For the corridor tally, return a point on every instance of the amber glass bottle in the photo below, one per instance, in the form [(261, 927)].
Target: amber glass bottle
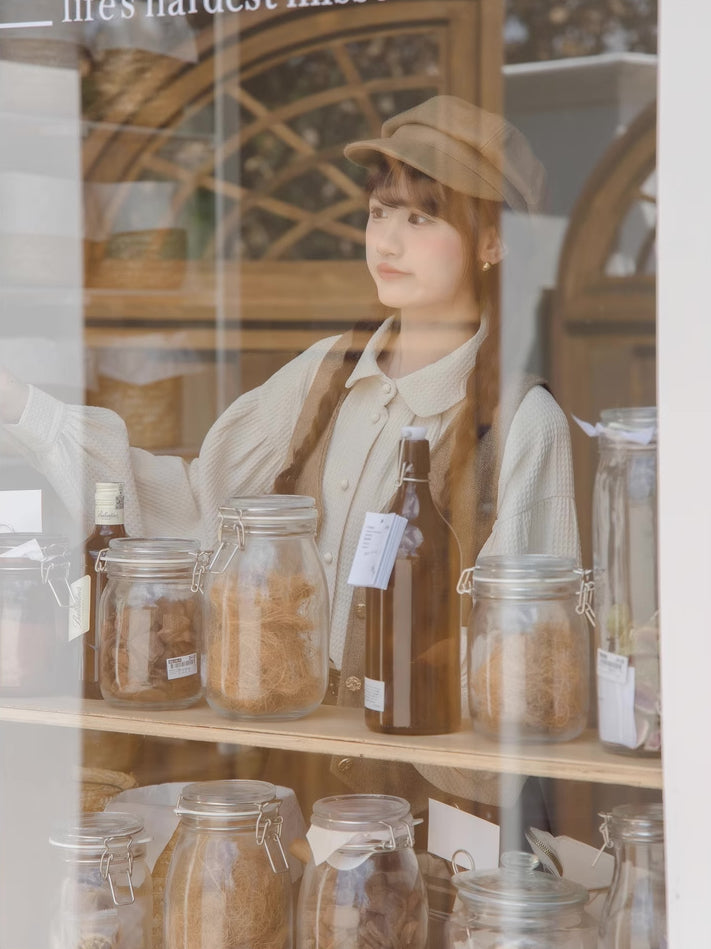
[(108, 518), (413, 627)]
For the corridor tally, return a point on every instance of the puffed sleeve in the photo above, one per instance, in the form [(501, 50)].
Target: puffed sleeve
[(536, 510), (75, 446)]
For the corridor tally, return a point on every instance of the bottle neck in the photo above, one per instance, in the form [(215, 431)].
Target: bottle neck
[(414, 460)]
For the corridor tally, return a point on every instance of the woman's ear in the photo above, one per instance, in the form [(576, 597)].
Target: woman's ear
[(491, 248)]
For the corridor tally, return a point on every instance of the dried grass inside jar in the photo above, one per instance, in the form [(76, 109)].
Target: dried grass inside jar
[(263, 654), (222, 899), (532, 683)]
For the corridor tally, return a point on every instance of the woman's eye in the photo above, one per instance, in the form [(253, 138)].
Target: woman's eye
[(376, 212), (417, 218)]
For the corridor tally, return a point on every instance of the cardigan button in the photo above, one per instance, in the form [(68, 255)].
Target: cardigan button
[(360, 610), (328, 557), (353, 684), (344, 765)]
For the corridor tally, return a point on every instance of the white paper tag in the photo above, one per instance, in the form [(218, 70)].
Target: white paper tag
[(182, 666), (451, 830), (377, 549), (612, 666), (615, 710), (30, 550), (79, 608), (374, 695)]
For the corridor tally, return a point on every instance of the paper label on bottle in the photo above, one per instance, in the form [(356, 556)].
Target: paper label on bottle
[(374, 695), (181, 666), (79, 608), (377, 549), (612, 666), (615, 700)]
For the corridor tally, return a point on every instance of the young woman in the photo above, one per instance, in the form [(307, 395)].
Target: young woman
[(328, 423)]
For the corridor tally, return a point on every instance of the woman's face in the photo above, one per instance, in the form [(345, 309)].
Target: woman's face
[(418, 262)]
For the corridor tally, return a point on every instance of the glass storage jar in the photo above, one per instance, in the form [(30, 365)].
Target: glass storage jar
[(105, 896), (267, 631), (150, 618), (634, 914), (34, 615), (519, 907), (528, 647), (625, 574), (362, 886), (228, 884)]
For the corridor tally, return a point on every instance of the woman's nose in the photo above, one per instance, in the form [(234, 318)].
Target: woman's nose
[(389, 238)]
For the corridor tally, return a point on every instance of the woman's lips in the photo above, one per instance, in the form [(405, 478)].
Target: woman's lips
[(387, 272)]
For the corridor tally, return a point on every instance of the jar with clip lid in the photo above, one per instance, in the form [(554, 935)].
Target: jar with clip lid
[(625, 573), (228, 884), (150, 618), (105, 896), (517, 905), (634, 914), (35, 597), (528, 647), (266, 650), (362, 887)]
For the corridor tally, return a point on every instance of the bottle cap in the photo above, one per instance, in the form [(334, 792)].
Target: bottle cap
[(414, 433)]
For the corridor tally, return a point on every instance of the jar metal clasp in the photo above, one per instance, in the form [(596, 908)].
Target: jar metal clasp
[(108, 856), (202, 564), (465, 584), (219, 563), (55, 573), (606, 839), (585, 596), (268, 835)]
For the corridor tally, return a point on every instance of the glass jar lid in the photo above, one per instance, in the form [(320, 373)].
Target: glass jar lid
[(517, 887), (522, 575), (269, 513), (231, 798), (91, 836), (630, 426), (361, 812), (26, 551), (636, 822), (152, 551)]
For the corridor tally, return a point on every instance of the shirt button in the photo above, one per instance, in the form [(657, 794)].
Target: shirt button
[(353, 684), (387, 388), (375, 417), (328, 557), (360, 610), (345, 484)]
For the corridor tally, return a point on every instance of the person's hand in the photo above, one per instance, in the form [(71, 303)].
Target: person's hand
[(13, 397)]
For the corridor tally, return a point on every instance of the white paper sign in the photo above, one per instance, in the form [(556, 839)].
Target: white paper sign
[(451, 830), (612, 666), (377, 549), (615, 710), (21, 512), (79, 607)]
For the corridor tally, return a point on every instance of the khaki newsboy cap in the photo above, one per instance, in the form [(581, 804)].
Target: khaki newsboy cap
[(462, 146)]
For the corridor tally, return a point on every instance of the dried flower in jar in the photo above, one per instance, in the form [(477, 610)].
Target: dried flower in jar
[(362, 909), (149, 650), (262, 658)]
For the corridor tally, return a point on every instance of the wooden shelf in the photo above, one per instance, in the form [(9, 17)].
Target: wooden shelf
[(341, 732)]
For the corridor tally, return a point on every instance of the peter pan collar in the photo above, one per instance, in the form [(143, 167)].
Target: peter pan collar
[(434, 388)]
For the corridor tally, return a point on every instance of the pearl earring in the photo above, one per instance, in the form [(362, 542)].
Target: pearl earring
[(486, 266)]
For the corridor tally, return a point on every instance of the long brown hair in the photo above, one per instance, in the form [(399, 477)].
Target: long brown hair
[(395, 183)]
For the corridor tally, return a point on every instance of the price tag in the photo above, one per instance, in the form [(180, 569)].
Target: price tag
[(374, 695), (377, 549), (612, 666), (182, 666)]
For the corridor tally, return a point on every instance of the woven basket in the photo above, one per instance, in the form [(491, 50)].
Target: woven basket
[(152, 412), (98, 786), (129, 84), (137, 260)]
